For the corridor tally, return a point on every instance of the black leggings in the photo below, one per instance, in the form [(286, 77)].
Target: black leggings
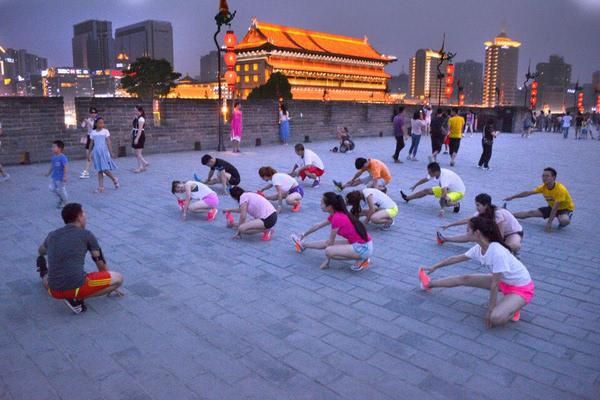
[(486, 155), (399, 146)]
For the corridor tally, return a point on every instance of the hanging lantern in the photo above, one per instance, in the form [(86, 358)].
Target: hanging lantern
[(450, 69), (449, 80), (230, 77), (534, 93), (461, 99), (230, 59), (230, 40), (448, 92), (598, 103), (580, 107)]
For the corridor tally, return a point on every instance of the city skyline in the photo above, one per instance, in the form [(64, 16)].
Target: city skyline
[(397, 31)]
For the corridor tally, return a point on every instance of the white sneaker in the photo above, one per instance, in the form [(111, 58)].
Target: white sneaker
[(84, 175)]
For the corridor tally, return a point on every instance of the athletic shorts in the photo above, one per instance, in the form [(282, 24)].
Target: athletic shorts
[(364, 250), (447, 139), (297, 189), (311, 170), (369, 179), (547, 210), (211, 200), (525, 291), (454, 145), (94, 282), (233, 181), (436, 143), (392, 212), (453, 196), (270, 221)]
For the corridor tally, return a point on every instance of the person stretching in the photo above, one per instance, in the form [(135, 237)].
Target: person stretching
[(198, 198), (356, 243), (227, 174), (508, 275), (377, 171), (308, 165), (253, 204), (381, 208), (560, 204), (510, 229), (63, 275), (450, 188), (286, 187)]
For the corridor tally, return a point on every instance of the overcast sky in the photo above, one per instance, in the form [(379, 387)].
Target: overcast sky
[(570, 28)]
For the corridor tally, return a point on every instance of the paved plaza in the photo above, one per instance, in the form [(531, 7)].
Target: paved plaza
[(205, 317)]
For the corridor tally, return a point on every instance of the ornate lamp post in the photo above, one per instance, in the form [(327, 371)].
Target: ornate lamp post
[(577, 97), (224, 17), (529, 76), (445, 56)]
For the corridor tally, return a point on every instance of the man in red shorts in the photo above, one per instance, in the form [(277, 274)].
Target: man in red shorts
[(308, 165), (64, 276)]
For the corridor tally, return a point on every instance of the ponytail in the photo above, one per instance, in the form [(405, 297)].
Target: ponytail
[(353, 199), (338, 204)]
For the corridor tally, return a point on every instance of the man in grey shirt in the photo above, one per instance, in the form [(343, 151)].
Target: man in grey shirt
[(64, 276)]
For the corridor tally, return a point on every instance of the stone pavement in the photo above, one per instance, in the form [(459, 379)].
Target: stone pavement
[(209, 318)]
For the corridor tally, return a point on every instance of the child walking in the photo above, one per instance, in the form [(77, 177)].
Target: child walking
[(507, 274), (101, 146), (286, 187), (356, 243), (58, 169)]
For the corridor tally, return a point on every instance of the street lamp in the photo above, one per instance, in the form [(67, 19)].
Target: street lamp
[(224, 17), (529, 76), (444, 56)]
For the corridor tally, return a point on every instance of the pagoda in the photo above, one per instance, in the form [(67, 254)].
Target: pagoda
[(318, 65)]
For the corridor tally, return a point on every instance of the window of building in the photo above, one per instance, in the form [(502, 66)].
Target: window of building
[(238, 68), (238, 79), (246, 67), (255, 67), (247, 78), (254, 78)]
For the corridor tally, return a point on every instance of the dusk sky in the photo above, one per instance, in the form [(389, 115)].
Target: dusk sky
[(566, 27)]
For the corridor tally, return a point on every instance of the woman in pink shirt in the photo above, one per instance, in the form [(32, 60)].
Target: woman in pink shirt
[(510, 229), (255, 205), (236, 127), (356, 244)]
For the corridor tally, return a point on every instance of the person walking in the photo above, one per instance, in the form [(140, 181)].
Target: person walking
[(439, 130), (566, 124), (418, 126), (138, 138), (88, 125), (284, 124), (236, 127), (578, 125), (487, 141), (59, 169), (398, 121), (528, 124), (456, 124), (101, 146), (470, 121)]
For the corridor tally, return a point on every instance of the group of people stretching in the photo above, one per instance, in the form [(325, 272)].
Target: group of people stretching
[(496, 233)]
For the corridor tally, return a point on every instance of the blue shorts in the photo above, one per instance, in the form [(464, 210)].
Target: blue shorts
[(297, 189), (364, 250)]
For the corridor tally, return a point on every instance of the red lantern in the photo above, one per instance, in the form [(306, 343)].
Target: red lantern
[(580, 107), (534, 93), (230, 77), (230, 59), (230, 40), (450, 69), (449, 80), (598, 104), (448, 92), (461, 99)]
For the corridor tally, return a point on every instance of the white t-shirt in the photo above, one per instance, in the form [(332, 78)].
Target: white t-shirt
[(450, 180), (141, 122), (104, 132), (507, 222), (566, 121), (284, 181), (499, 260), (417, 126), (200, 190), (311, 158), (380, 199)]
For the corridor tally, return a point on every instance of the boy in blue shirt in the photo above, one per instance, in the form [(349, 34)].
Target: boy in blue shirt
[(58, 170)]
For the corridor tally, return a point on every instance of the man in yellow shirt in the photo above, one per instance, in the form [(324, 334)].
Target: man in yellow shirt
[(456, 124), (560, 203)]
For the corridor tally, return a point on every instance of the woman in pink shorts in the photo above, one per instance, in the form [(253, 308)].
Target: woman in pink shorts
[(507, 274), (198, 198)]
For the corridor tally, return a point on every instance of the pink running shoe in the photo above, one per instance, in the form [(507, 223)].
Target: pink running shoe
[(180, 203), (424, 280), (439, 238), (296, 207), (267, 235), (212, 214), (258, 192), (229, 218), (516, 316)]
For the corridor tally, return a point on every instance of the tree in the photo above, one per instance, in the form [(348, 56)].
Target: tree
[(149, 79), (277, 86)]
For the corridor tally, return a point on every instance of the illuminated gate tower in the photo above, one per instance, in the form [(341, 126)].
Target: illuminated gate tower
[(319, 66)]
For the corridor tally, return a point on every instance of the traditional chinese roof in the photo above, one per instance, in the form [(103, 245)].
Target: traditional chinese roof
[(283, 64), (262, 35)]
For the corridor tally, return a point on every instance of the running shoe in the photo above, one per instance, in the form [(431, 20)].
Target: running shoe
[(197, 178), (440, 238), (424, 280), (296, 207), (388, 226), (267, 235), (409, 158), (338, 186), (316, 183), (84, 175), (404, 196), (212, 214), (487, 169), (516, 316), (456, 208), (445, 152), (260, 193), (76, 306), (297, 243), (229, 218), (181, 203), (360, 266)]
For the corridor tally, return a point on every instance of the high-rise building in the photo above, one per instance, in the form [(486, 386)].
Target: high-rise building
[(470, 75), (553, 81), (500, 73), (17, 70), (423, 72), (93, 45), (68, 83), (209, 65), (152, 39), (399, 83)]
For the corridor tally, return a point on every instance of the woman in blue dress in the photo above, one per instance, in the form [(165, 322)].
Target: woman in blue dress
[(284, 123), (101, 146)]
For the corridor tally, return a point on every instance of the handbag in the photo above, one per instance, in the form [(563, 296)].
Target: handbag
[(83, 140)]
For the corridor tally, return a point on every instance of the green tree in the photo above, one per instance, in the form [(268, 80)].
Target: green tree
[(277, 86), (149, 79)]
